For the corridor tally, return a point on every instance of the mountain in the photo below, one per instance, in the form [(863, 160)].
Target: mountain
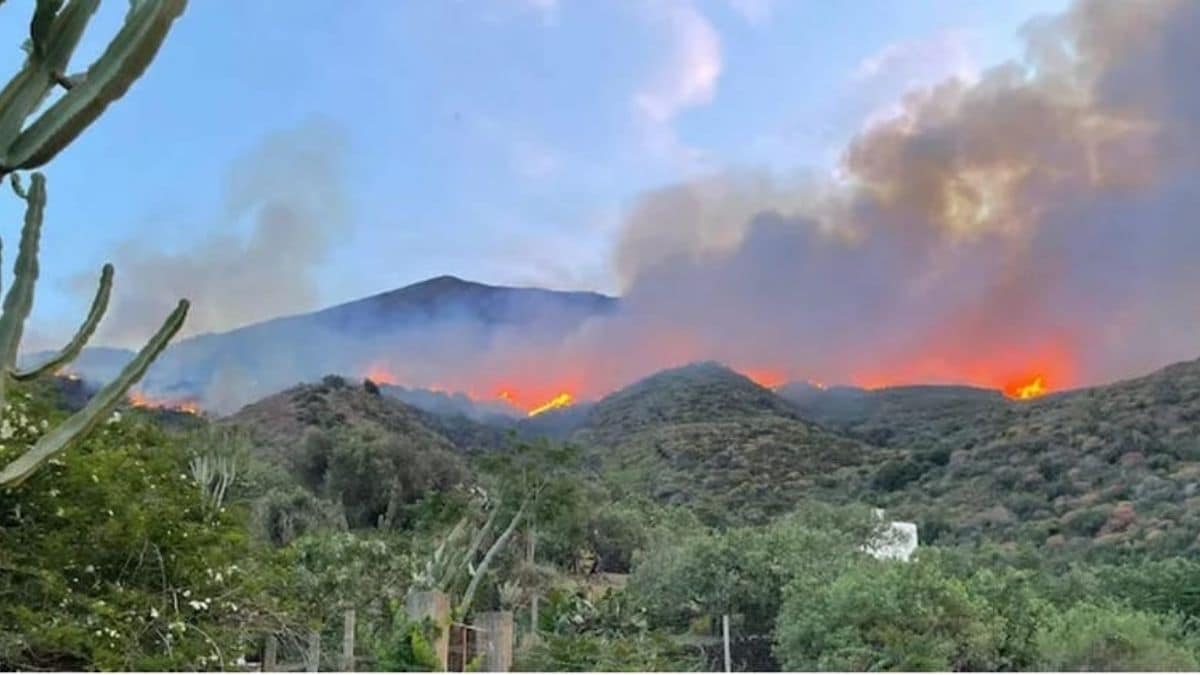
[(708, 437), (224, 371)]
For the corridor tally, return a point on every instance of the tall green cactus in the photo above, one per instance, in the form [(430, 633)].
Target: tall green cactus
[(54, 32)]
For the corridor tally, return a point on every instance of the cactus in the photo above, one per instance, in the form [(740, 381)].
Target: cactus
[(54, 32)]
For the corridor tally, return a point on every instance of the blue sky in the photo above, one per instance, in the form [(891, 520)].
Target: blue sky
[(498, 141)]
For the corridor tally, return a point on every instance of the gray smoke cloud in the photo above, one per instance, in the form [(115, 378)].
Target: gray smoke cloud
[(1039, 220), (285, 205)]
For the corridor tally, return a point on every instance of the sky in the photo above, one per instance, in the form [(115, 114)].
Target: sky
[(499, 141)]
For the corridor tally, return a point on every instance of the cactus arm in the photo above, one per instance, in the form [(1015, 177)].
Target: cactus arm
[(500, 543), (461, 564), (98, 408), (54, 40), (19, 300), (86, 329), (107, 79), (43, 19)]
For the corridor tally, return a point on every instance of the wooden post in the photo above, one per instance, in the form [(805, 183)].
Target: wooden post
[(313, 661), (270, 655), (348, 641), (533, 603), (497, 628), (435, 606), (725, 639)]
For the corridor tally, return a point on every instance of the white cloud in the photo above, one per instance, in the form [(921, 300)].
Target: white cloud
[(687, 78), (915, 62)]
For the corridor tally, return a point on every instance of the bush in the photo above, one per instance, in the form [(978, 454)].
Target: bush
[(1102, 637), (881, 615)]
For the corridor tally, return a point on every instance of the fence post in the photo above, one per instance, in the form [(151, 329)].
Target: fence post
[(435, 606), (270, 650), (348, 620), (497, 636), (725, 640), (313, 662)]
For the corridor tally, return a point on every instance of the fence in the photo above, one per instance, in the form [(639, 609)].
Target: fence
[(486, 644)]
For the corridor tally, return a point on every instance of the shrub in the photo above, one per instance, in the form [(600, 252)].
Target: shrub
[(1104, 637), (881, 615)]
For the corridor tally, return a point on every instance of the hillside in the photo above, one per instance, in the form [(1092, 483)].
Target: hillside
[(1110, 469), (708, 437), (224, 371), (909, 416)]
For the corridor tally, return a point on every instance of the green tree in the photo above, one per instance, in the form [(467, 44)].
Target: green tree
[(884, 615), (1110, 637)]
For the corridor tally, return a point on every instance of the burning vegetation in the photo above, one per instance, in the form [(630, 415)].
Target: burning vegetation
[(139, 399)]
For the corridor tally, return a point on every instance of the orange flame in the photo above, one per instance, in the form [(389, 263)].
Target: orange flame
[(769, 378), (141, 400), (1027, 390), (561, 401), (379, 373)]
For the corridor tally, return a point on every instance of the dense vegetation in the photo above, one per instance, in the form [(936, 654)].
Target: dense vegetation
[(162, 544)]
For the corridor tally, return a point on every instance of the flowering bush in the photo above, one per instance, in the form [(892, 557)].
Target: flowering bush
[(109, 559)]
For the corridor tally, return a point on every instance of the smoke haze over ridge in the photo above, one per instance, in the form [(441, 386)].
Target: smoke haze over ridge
[(1034, 220)]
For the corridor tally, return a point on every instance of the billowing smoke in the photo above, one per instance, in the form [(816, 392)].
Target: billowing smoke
[(1040, 220), (284, 206)]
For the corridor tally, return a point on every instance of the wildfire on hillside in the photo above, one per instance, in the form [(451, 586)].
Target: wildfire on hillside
[(139, 399), (766, 377), (67, 373), (561, 401), (380, 373), (1027, 390)]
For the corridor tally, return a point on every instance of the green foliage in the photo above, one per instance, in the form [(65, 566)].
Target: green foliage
[(610, 633), (742, 571), (597, 653), (408, 647), (1109, 637), (881, 615), (375, 476), (110, 559)]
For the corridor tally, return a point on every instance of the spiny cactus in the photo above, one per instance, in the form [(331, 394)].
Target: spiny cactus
[(54, 33)]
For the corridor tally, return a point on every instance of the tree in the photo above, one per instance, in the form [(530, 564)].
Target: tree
[(885, 615)]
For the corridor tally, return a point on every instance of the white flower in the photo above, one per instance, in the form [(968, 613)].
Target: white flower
[(153, 612)]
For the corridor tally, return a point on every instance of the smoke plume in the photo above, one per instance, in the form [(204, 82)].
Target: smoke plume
[(1040, 220), (288, 192)]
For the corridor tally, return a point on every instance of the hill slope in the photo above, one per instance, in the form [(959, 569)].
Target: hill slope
[(1109, 469), (708, 437)]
